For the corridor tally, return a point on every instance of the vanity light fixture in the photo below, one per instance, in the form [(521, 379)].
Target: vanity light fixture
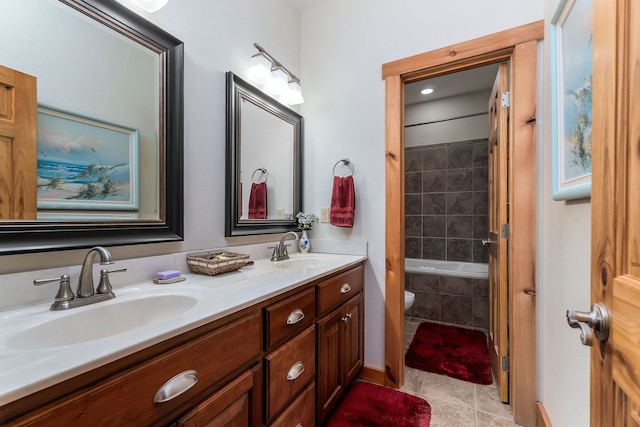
[(150, 5), (276, 80)]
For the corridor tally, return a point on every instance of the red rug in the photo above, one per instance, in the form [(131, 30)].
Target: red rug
[(452, 351), (367, 404)]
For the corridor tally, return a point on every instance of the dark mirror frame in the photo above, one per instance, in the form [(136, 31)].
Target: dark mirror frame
[(238, 89), (26, 237)]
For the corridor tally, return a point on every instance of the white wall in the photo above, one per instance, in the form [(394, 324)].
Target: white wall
[(452, 119), (344, 44), (563, 283)]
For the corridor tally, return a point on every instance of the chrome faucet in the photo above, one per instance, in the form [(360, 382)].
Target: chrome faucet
[(85, 282), (280, 251), (86, 291)]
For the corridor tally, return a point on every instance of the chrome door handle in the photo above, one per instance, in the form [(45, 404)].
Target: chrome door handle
[(486, 242), (596, 321)]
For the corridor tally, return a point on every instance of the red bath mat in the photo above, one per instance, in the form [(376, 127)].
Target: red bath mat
[(452, 351), (367, 404)]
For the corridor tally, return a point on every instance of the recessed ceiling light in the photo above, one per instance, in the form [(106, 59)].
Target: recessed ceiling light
[(426, 91)]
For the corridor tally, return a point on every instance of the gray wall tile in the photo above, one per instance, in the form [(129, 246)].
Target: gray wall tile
[(434, 158), (436, 204), (413, 182)]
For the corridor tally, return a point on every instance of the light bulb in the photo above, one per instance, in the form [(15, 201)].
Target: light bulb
[(260, 68), (279, 82)]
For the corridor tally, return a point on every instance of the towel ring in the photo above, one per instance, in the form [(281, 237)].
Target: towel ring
[(346, 162), (264, 172)]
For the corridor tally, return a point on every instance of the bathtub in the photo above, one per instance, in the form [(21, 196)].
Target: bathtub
[(446, 268)]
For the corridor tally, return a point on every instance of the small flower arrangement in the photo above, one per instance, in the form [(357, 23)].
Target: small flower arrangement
[(305, 221)]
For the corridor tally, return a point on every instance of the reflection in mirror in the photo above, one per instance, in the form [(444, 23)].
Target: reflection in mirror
[(109, 149), (264, 140)]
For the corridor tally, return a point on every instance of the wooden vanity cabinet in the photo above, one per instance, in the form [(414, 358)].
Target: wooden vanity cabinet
[(340, 344), (283, 362), (130, 397)]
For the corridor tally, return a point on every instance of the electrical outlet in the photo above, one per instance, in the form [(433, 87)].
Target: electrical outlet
[(324, 215)]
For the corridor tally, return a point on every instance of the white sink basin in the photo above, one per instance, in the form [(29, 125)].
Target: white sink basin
[(307, 261), (100, 320)]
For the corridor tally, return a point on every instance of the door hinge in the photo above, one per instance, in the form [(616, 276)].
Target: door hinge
[(505, 364), (506, 99), (505, 231)]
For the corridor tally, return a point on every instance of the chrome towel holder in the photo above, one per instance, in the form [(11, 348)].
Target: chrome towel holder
[(264, 173), (345, 162)]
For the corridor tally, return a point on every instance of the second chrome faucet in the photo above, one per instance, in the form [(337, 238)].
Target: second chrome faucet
[(280, 252)]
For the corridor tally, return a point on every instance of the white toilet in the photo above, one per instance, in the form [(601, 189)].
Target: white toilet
[(409, 298)]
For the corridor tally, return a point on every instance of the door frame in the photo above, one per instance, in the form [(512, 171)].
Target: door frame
[(519, 47)]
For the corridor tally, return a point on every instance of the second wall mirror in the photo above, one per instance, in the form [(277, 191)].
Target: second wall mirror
[(264, 168)]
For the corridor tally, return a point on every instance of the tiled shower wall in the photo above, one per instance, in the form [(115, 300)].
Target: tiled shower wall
[(446, 217), (446, 201)]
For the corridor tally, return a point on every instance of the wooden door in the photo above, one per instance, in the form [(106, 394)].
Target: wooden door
[(18, 145), (498, 222), (615, 258)]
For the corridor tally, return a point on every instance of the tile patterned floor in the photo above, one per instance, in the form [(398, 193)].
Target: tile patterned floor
[(454, 403)]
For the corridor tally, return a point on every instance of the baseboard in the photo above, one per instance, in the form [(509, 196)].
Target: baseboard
[(372, 375), (542, 417)]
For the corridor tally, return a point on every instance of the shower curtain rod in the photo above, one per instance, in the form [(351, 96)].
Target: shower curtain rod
[(447, 120)]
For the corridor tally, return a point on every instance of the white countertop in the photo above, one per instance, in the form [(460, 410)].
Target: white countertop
[(25, 371)]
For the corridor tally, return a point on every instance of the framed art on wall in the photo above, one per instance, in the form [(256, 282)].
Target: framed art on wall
[(571, 74), (85, 164)]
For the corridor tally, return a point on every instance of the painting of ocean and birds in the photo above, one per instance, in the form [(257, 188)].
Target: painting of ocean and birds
[(84, 164), (572, 60)]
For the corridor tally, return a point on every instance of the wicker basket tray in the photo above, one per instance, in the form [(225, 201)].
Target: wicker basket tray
[(213, 263)]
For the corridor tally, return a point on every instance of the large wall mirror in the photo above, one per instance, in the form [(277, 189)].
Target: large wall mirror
[(264, 172), (110, 125)]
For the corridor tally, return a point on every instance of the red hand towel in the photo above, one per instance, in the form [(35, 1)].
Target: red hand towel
[(258, 201), (343, 202)]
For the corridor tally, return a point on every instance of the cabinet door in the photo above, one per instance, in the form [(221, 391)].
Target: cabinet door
[(229, 407), (329, 378), (353, 354)]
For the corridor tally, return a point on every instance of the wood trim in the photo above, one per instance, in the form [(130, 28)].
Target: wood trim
[(461, 51), (543, 419), (522, 239), (394, 233), (372, 375), (436, 63)]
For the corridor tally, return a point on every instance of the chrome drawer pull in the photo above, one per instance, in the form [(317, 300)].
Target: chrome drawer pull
[(296, 370), (346, 317), (176, 386), (299, 425), (295, 316), (345, 288)]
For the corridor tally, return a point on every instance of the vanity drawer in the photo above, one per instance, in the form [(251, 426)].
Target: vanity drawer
[(301, 412), (288, 370), (128, 398), (289, 317), (338, 289)]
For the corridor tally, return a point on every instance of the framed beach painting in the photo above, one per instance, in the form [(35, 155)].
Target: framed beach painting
[(85, 164), (571, 75)]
